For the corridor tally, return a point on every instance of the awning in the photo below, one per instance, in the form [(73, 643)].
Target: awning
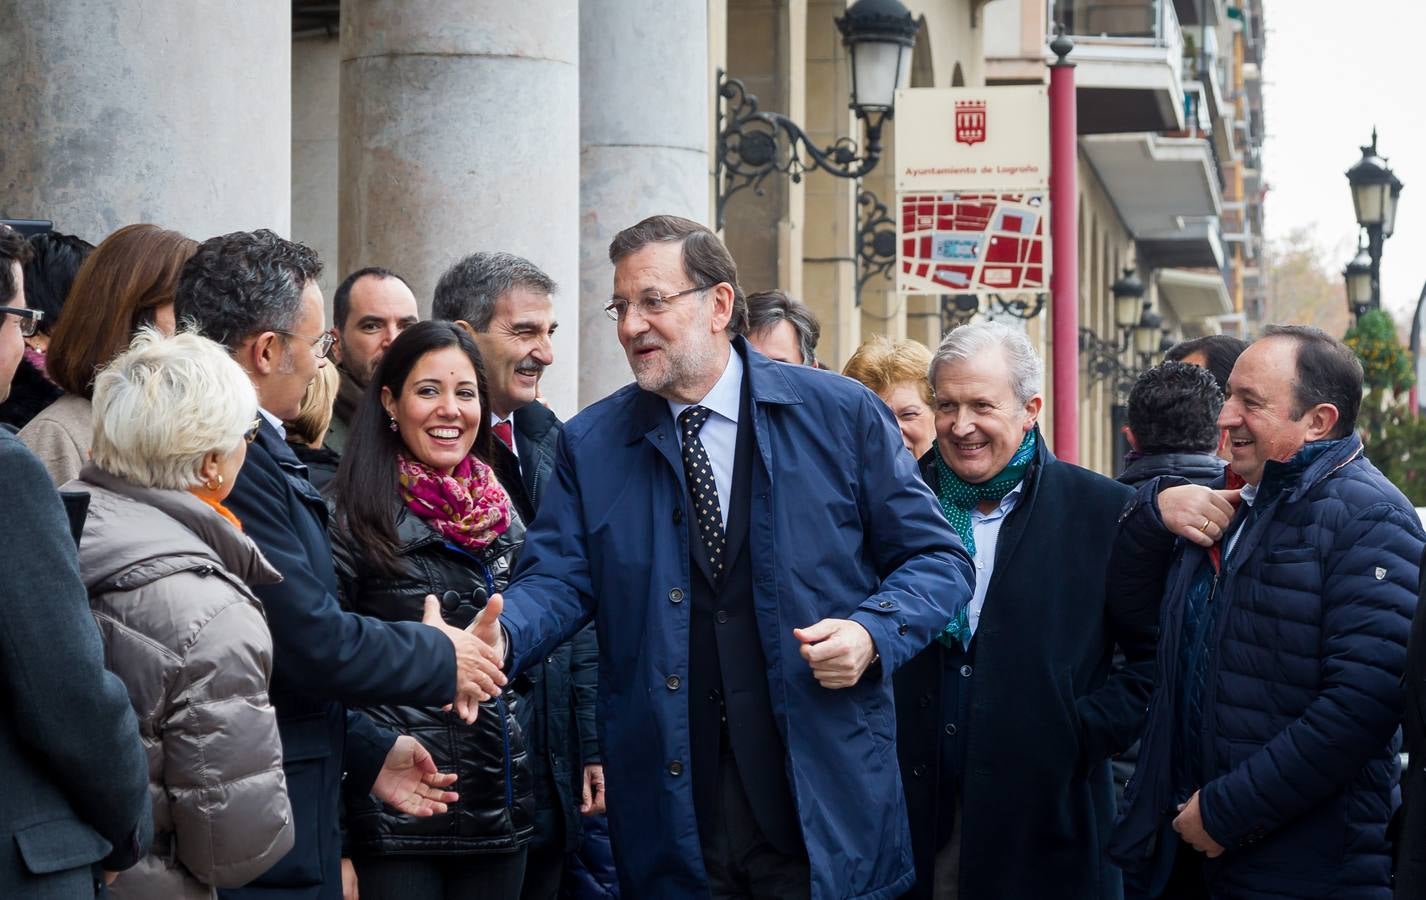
[(1156, 183), (1194, 296)]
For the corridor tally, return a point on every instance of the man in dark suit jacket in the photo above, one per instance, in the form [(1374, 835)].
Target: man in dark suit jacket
[(257, 294), (76, 779), (1006, 724), (503, 301)]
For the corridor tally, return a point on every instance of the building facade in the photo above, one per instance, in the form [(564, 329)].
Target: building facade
[(407, 135)]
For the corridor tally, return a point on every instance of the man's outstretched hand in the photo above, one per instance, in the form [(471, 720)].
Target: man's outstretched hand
[(478, 665), (408, 780), (838, 650)]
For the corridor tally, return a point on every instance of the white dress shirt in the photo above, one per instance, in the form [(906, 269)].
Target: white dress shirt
[(274, 421), (720, 432), (986, 528)]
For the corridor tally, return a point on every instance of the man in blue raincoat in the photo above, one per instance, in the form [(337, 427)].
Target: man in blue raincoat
[(758, 555)]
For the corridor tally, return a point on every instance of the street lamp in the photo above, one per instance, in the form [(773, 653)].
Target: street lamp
[(879, 36), (1358, 276), (1128, 294), (1375, 193)]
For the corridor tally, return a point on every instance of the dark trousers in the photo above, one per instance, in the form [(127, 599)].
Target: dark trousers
[(1187, 881), (740, 861), (489, 876), (544, 869)]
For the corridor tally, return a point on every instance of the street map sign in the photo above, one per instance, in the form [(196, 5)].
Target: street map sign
[(972, 243), (972, 179)]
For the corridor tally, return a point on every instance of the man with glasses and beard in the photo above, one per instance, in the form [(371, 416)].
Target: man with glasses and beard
[(757, 555)]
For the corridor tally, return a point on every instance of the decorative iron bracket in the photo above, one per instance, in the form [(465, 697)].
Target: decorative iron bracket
[(753, 144)]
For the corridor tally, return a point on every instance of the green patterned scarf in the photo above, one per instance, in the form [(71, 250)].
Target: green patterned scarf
[(958, 498)]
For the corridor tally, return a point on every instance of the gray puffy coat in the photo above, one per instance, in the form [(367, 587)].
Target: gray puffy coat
[(168, 584)]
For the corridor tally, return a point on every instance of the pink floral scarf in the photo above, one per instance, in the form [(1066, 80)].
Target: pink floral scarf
[(468, 507)]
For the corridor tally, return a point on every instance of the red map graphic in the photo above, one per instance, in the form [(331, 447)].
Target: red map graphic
[(955, 242)]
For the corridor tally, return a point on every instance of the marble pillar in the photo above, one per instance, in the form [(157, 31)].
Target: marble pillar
[(123, 111), (459, 131), (645, 102), (316, 78)]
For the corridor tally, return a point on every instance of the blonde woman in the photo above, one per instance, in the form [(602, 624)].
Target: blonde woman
[(307, 433), (896, 371), (169, 571)]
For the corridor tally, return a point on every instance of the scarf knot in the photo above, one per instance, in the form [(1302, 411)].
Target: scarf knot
[(468, 507), (958, 497)]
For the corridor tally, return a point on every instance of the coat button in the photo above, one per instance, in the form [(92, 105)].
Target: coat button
[(951, 729), (722, 616), (672, 682), (675, 768), (903, 629), (450, 600), (965, 671), (918, 771), (677, 516), (715, 696), (676, 595), (885, 604), (925, 701)]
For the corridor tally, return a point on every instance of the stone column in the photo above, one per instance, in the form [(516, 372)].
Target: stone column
[(460, 132), (123, 111), (644, 113), (316, 76)]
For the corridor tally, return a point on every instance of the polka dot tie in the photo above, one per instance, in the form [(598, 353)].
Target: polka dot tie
[(701, 487)]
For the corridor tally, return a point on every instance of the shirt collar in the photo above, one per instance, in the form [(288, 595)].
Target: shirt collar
[(496, 420), (1007, 503), (1248, 494), (726, 395), (274, 421)]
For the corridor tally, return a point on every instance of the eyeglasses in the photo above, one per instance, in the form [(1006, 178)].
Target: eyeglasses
[(251, 434), (650, 305), (30, 319), (321, 345)]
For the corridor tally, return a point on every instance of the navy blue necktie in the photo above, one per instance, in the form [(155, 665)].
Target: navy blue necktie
[(701, 487)]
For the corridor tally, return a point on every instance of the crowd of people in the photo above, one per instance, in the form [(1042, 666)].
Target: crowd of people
[(298, 611)]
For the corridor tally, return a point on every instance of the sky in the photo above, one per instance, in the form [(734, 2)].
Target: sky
[(1332, 71)]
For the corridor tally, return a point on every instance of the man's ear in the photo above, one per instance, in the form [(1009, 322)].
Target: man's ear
[(261, 354), (722, 306), (467, 327), (1129, 436), (1032, 411), (1321, 421)]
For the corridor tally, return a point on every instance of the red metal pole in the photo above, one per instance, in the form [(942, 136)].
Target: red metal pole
[(1064, 239)]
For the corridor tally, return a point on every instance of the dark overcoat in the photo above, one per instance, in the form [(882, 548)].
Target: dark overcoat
[(323, 659), (1045, 710), (75, 774), (840, 526)]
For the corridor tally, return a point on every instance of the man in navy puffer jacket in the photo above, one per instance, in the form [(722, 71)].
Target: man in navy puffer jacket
[(1269, 759)]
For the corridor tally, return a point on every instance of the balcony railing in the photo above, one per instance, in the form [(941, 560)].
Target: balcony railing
[(1139, 21)]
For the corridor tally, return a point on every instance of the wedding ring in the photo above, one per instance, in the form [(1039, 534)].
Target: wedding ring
[(1204, 527)]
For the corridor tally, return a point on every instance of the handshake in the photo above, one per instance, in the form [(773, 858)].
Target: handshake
[(480, 655)]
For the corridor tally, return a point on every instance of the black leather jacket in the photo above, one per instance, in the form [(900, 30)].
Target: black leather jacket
[(495, 811)]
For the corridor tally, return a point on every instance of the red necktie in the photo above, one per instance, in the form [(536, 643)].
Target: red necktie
[(502, 431)]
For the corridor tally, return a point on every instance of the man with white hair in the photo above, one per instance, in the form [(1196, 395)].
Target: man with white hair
[(1006, 723)]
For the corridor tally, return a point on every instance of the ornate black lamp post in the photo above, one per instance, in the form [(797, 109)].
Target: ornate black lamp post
[(879, 36), (1375, 192)]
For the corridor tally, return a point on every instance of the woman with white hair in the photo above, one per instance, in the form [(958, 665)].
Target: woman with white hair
[(168, 571)]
